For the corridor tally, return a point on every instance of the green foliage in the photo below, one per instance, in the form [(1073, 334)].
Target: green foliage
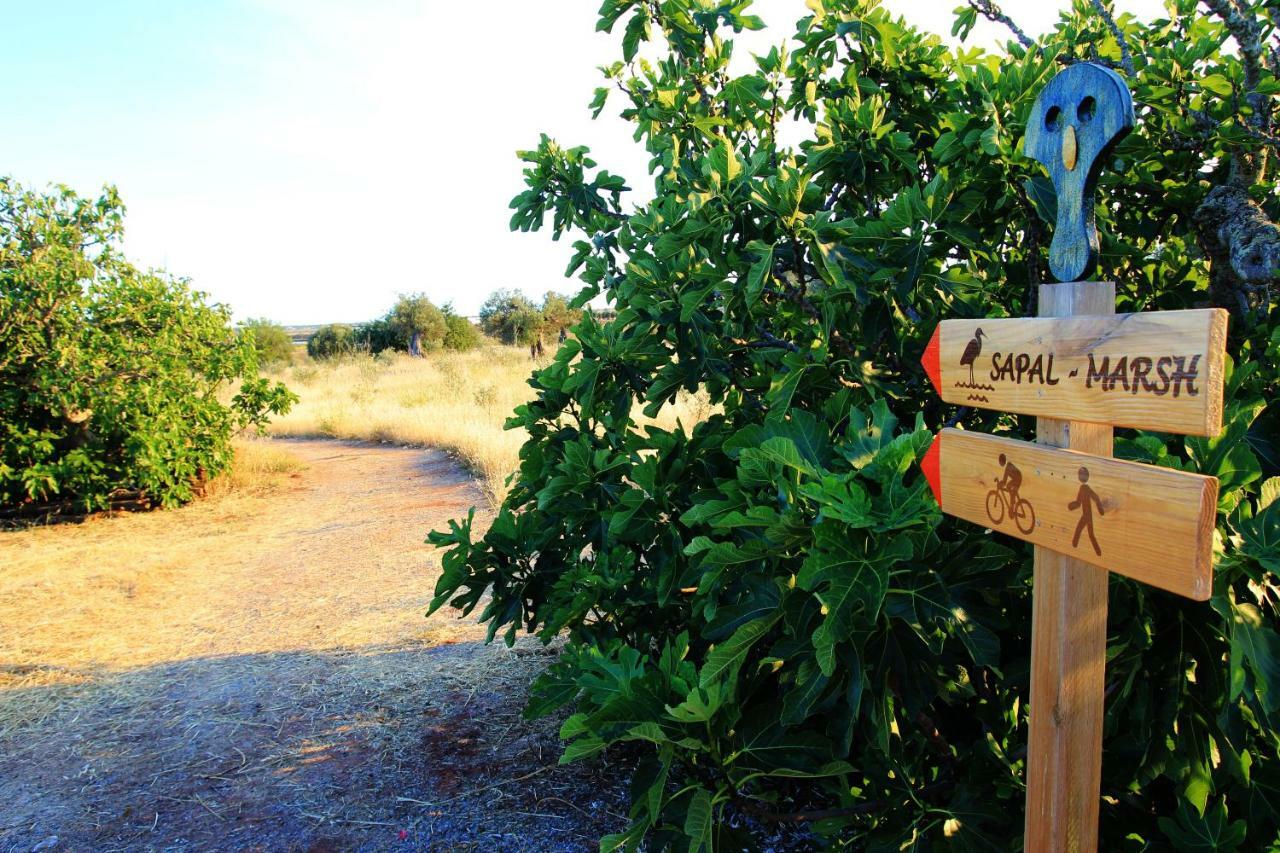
[(768, 602), (377, 336), (557, 315), (460, 334), (333, 340), (271, 342), (418, 323), (511, 318), (434, 327), (111, 379)]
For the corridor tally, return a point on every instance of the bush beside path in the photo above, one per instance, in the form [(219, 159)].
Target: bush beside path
[(254, 670)]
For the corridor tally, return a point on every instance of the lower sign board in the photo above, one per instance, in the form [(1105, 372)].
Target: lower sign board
[(1159, 371), (1151, 524)]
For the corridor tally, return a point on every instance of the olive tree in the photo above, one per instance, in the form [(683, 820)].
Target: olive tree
[(332, 340), (418, 323)]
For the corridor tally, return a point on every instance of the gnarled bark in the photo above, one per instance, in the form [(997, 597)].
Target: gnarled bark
[(1243, 247)]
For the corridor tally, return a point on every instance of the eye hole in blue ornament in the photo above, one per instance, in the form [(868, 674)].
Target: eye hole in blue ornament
[(1085, 112), (1053, 119)]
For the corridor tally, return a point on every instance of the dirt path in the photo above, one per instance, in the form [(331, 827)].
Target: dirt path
[(254, 672)]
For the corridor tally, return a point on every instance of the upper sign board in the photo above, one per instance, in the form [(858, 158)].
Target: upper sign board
[(1157, 371)]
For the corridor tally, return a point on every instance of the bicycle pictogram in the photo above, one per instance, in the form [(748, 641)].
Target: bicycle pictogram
[(1004, 499)]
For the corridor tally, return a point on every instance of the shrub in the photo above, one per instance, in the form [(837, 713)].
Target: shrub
[(768, 603), (377, 336), (333, 340), (460, 334), (304, 374), (271, 342), (110, 378)]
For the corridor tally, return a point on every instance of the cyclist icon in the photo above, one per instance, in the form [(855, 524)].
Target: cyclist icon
[(1004, 499)]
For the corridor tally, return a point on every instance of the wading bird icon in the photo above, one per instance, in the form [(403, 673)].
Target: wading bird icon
[(971, 351)]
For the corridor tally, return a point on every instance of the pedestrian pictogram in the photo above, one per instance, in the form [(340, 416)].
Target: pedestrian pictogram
[(1086, 500)]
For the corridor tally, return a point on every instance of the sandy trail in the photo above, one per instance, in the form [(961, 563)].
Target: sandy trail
[(254, 671)]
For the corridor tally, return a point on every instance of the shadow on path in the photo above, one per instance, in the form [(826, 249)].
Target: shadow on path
[(371, 748)]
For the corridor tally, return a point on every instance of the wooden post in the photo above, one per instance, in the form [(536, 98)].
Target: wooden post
[(1068, 643)]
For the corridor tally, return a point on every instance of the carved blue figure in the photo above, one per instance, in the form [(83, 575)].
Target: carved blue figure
[(1077, 120)]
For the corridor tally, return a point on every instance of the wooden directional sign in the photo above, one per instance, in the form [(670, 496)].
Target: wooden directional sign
[(1082, 369), (1151, 524), (1158, 371)]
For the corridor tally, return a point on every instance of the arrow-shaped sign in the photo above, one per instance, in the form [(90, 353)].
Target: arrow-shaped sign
[(1158, 371), (1152, 524)]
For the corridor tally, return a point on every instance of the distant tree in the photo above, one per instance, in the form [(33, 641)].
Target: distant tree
[(512, 318), (270, 340), (378, 335), (525, 326), (504, 315), (460, 333), (417, 322), (332, 341), (557, 316)]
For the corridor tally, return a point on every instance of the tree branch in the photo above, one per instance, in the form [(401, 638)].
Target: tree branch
[(992, 12), (1126, 57), (1235, 233), (1247, 168)]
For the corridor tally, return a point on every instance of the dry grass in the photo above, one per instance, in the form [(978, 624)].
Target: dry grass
[(254, 671), (78, 590), (454, 401), (260, 466)]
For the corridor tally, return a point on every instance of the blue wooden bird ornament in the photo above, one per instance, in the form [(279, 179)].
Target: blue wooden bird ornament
[(1076, 122)]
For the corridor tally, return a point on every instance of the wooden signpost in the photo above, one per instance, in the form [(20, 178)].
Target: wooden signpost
[(1151, 524), (1160, 371), (1082, 369)]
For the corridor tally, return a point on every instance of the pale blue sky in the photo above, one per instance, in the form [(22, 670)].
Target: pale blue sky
[(307, 160)]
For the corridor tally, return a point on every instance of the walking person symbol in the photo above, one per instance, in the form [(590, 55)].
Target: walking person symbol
[(1085, 500)]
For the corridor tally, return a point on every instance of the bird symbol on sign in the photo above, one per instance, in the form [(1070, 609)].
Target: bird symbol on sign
[(1075, 124), (971, 352)]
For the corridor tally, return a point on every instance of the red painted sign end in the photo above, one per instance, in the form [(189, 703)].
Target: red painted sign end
[(931, 465), (932, 359)]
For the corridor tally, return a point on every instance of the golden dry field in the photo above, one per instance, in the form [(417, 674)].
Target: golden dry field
[(457, 402)]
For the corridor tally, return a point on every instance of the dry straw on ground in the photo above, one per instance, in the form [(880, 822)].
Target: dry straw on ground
[(254, 671)]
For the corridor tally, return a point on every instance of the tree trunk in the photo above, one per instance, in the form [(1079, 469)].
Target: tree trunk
[(1243, 248), (415, 345)]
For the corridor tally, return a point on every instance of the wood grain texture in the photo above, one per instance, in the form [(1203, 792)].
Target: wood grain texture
[(1068, 645), (1074, 125), (1152, 524), (1158, 371)]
